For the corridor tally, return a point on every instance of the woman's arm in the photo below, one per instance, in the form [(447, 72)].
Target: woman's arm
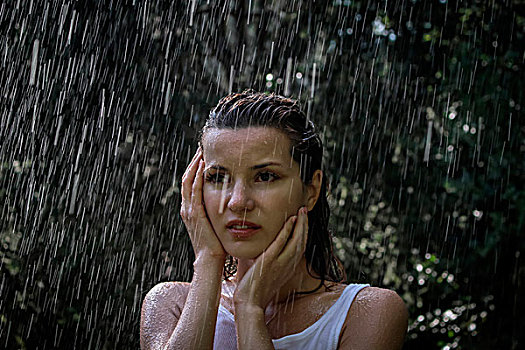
[(194, 327), (270, 271), (377, 320), (251, 328), (165, 326)]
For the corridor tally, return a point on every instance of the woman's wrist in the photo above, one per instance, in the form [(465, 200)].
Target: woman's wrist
[(247, 308), (247, 311), (208, 260)]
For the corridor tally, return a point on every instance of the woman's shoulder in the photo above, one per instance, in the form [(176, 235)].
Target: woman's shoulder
[(167, 294), (378, 315), (334, 290), (377, 296), (169, 289), (161, 308)]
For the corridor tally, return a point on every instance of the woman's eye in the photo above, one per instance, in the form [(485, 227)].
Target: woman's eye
[(215, 178), (267, 176), (218, 178)]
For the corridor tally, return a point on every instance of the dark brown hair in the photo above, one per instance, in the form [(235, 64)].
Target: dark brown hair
[(250, 108)]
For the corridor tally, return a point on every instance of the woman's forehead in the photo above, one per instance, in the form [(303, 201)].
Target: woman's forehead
[(246, 145), (250, 137)]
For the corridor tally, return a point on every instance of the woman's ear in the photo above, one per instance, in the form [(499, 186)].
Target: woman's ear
[(314, 189)]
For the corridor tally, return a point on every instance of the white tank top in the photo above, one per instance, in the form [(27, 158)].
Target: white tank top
[(323, 334)]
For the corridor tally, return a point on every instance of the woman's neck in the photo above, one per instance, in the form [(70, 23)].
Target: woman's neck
[(301, 281)]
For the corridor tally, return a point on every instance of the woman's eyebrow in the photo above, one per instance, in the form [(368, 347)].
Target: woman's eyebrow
[(255, 167), (264, 165), (216, 167)]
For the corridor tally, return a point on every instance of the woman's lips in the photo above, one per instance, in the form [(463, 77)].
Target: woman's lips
[(243, 233)]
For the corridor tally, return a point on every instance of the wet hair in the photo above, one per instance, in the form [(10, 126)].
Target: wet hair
[(250, 108)]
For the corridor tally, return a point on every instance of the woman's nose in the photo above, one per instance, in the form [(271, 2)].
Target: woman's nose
[(240, 199)]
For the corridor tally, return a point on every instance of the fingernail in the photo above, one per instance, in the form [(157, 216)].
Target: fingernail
[(294, 219)]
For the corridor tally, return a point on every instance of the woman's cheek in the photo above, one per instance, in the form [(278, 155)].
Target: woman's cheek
[(209, 201)]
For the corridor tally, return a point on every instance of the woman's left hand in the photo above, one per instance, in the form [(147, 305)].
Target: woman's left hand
[(275, 266)]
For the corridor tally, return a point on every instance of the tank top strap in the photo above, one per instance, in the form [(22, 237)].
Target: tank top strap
[(345, 300)]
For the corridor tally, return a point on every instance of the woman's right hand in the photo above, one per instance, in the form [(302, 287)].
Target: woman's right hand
[(205, 242)]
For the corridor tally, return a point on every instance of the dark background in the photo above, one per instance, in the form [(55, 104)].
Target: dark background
[(419, 104)]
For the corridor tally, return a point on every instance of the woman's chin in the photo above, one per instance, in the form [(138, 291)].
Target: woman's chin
[(245, 252)]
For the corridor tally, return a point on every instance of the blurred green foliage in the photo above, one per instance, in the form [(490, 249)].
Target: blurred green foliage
[(419, 105)]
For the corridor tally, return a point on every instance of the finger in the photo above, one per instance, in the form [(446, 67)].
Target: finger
[(196, 188), (304, 236), (189, 176), (294, 247), (280, 241), (193, 160)]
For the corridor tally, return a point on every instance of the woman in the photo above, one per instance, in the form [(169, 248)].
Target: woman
[(254, 204)]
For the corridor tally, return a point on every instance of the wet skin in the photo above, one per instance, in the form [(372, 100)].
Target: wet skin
[(263, 185), (250, 175), (271, 262)]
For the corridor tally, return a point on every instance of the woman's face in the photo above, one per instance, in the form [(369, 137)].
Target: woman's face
[(250, 176)]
